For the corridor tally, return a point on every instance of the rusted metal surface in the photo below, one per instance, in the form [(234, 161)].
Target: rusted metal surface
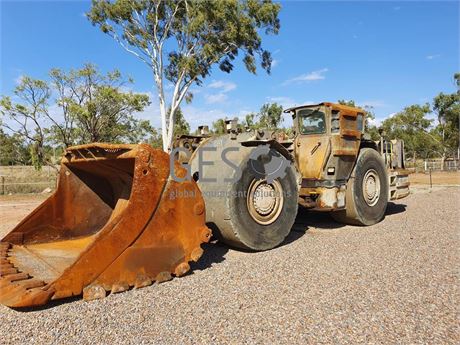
[(399, 184), (338, 148), (353, 111), (311, 152), (326, 160), (117, 220), (189, 143)]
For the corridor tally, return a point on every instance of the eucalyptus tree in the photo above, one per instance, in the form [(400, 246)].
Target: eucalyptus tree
[(75, 107), (26, 115), (181, 41), (270, 115), (447, 110)]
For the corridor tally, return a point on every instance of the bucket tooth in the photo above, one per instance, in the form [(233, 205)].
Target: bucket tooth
[(182, 269), (5, 265), (206, 234), (163, 277), (5, 245), (93, 292), (9, 294), (8, 271), (27, 297), (196, 254), (20, 290), (120, 287), (15, 277), (142, 281), (31, 283)]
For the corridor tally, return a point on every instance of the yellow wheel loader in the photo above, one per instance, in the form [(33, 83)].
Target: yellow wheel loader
[(128, 215)]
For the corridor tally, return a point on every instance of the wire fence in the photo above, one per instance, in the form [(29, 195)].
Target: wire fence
[(25, 179), (425, 165)]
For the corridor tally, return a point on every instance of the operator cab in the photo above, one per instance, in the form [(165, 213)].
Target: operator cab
[(311, 121), (326, 145)]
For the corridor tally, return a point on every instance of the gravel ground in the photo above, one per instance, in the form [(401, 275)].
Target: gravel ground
[(394, 282)]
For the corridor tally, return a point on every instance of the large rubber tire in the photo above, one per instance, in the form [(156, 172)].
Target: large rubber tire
[(250, 232), (364, 207), (227, 203)]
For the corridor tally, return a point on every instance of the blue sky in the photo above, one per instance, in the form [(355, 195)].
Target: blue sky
[(384, 54)]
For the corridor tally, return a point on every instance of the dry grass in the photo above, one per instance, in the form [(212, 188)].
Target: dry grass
[(25, 179), (437, 178)]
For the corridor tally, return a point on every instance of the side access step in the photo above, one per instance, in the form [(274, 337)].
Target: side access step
[(399, 184)]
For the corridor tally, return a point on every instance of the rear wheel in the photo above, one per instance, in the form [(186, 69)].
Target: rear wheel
[(367, 191)]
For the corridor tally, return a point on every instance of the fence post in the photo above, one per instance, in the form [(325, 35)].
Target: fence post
[(431, 182), (3, 184)]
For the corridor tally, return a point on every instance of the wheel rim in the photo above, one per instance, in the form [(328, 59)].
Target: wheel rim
[(265, 201), (371, 187)]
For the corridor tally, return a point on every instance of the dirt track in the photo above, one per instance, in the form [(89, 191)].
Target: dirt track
[(15, 207), (437, 178), (396, 281)]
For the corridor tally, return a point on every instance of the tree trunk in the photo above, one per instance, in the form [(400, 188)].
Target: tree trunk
[(443, 158), (164, 126), (171, 122)]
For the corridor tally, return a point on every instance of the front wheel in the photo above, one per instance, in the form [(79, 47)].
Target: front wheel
[(264, 213), (367, 191)]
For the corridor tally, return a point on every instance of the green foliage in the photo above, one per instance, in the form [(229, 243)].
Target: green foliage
[(96, 108), (369, 114), (421, 136), (413, 126), (12, 150), (270, 116), (155, 139), (369, 127), (249, 121), (28, 116), (350, 103), (447, 109), (181, 126), (457, 81), (182, 40), (206, 32), (77, 107), (218, 127)]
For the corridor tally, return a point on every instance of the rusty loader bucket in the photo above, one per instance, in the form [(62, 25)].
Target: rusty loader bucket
[(116, 220)]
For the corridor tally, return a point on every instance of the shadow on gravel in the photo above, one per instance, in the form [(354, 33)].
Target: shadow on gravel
[(293, 236), (321, 220), (393, 208), (214, 252), (49, 305)]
